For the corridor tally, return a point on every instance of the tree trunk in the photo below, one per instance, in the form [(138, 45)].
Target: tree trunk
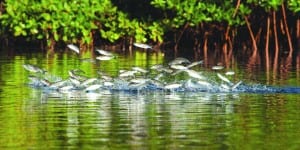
[(298, 32), (237, 7), (130, 45), (267, 45), (298, 29), (252, 36), (275, 65), (287, 30), (179, 38), (205, 47)]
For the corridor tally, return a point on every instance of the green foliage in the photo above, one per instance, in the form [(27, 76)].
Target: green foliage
[(294, 5), (195, 12), (78, 21), (267, 4), (70, 21)]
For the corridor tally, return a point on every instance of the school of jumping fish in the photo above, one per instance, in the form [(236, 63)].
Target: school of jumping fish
[(158, 77)]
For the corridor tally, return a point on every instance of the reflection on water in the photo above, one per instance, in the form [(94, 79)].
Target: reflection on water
[(32, 118)]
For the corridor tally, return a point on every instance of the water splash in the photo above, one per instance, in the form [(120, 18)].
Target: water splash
[(181, 78)]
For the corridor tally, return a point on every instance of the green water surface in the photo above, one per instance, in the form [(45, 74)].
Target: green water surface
[(35, 119)]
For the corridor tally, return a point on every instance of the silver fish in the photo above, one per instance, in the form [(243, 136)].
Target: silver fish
[(104, 76), (33, 68), (195, 64), (204, 83), (167, 70), (178, 67), (104, 57), (229, 73), (58, 84), (75, 73), (86, 82), (236, 85), (45, 82), (195, 74), (34, 79), (224, 79), (74, 81), (138, 86), (191, 85), (66, 88), (172, 86), (139, 80), (73, 48), (156, 67), (103, 52), (108, 84), (141, 45), (128, 73), (178, 61), (226, 87), (217, 67), (93, 87), (157, 77), (139, 69)]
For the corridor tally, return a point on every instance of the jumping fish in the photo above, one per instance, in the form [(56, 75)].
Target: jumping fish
[(139, 80), (131, 79), (204, 83), (191, 85), (93, 87), (108, 84), (178, 67), (229, 73), (167, 70), (195, 64), (73, 48), (104, 76), (172, 86), (195, 74), (236, 85), (141, 45), (139, 69), (128, 73), (58, 84), (157, 77), (217, 67), (104, 57), (45, 82), (33, 68), (224, 79), (156, 67), (66, 88), (75, 74), (86, 82), (74, 81), (178, 61), (33, 78), (226, 87), (104, 52)]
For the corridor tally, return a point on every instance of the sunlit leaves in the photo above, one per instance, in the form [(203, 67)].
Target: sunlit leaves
[(156, 32), (294, 5), (71, 21)]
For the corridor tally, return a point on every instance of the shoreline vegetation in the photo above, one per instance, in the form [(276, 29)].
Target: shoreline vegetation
[(256, 26)]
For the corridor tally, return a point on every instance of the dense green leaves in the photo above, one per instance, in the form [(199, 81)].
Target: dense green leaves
[(79, 21), (294, 5)]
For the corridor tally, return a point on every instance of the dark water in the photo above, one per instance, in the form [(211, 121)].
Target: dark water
[(34, 119)]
